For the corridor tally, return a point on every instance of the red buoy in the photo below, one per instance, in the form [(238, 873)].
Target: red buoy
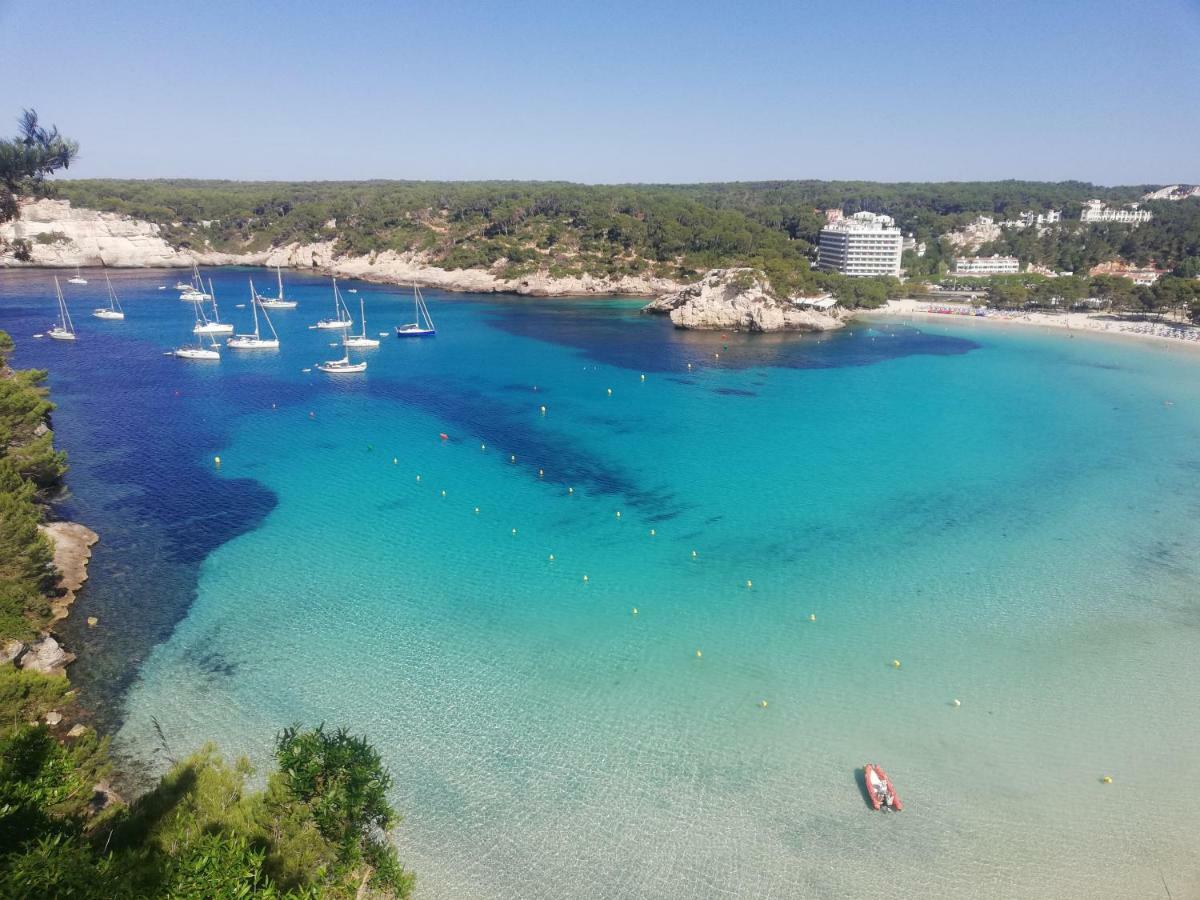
[(444, 436)]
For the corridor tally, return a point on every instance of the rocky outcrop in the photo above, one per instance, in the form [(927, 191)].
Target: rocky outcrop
[(741, 300), (72, 549), (64, 237), (47, 656), (11, 651)]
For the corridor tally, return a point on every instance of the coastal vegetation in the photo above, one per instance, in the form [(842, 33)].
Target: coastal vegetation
[(671, 231), (28, 158), (317, 829)]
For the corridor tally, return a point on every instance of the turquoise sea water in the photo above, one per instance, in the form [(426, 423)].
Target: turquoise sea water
[(1012, 515)]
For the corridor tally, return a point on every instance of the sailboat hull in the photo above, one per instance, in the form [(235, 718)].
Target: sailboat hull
[(58, 335), (410, 331), (213, 328), (108, 314), (193, 353), (252, 343), (277, 304)]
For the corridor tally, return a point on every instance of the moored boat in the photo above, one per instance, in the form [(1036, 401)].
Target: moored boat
[(880, 790), (423, 326)]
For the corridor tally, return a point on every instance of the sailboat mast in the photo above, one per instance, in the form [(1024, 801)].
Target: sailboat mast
[(254, 306), (212, 293), (279, 275)]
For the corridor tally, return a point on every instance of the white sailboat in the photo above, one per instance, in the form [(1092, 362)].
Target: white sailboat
[(195, 290), (64, 328), (423, 326), (198, 351), (113, 310), (341, 315), (255, 341), (78, 279), (278, 301), (361, 341), (213, 325), (342, 366)]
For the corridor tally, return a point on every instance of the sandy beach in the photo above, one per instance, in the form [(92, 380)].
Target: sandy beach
[(1100, 323)]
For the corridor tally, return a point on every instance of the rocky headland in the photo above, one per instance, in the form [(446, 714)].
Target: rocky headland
[(60, 236), (742, 300)]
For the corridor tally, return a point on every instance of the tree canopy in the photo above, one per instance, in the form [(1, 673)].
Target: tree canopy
[(27, 159)]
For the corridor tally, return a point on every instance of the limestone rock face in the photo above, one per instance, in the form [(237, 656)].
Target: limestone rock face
[(61, 236), (739, 300), (53, 718), (47, 656)]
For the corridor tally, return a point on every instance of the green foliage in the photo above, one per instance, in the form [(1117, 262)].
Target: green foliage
[(28, 158), (29, 466), (27, 696)]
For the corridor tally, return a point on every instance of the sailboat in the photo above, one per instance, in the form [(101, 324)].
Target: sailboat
[(213, 325), (195, 291), (255, 341), (113, 310), (78, 279), (360, 341), (341, 315), (278, 301), (423, 326), (64, 328), (199, 351), (342, 366)]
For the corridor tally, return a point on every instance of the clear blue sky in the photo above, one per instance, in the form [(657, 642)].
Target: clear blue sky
[(623, 91)]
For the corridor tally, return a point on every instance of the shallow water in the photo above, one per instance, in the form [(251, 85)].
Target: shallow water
[(1012, 516)]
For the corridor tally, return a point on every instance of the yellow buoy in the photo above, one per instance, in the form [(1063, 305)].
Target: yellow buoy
[(551, 557), (635, 610), (653, 532), (92, 621), (541, 473), (812, 617), (512, 457), (443, 493), (570, 490), (699, 655), (694, 554), (1107, 779), (689, 365), (585, 578), (643, 378), (895, 663), (395, 461), (217, 460), (610, 392), (957, 702), (749, 583), (762, 703), (418, 478), (543, 410), (483, 446), (618, 514), (477, 510), (514, 531)]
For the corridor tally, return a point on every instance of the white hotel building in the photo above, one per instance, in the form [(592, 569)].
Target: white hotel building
[(1096, 211), (861, 244), (986, 265)]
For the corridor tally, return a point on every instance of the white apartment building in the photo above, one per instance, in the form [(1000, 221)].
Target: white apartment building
[(1095, 211), (986, 265), (861, 244)]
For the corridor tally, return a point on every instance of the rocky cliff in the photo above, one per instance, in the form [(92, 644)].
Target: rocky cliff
[(741, 300), (60, 236)]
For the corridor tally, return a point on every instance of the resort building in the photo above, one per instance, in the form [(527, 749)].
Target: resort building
[(862, 244), (986, 265), (1094, 212), (1146, 276)]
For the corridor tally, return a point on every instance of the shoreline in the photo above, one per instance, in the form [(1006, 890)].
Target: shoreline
[(1162, 334)]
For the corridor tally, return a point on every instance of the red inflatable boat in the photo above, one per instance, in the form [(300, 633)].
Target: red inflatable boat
[(879, 788)]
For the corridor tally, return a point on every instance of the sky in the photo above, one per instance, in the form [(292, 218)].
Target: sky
[(603, 92)]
